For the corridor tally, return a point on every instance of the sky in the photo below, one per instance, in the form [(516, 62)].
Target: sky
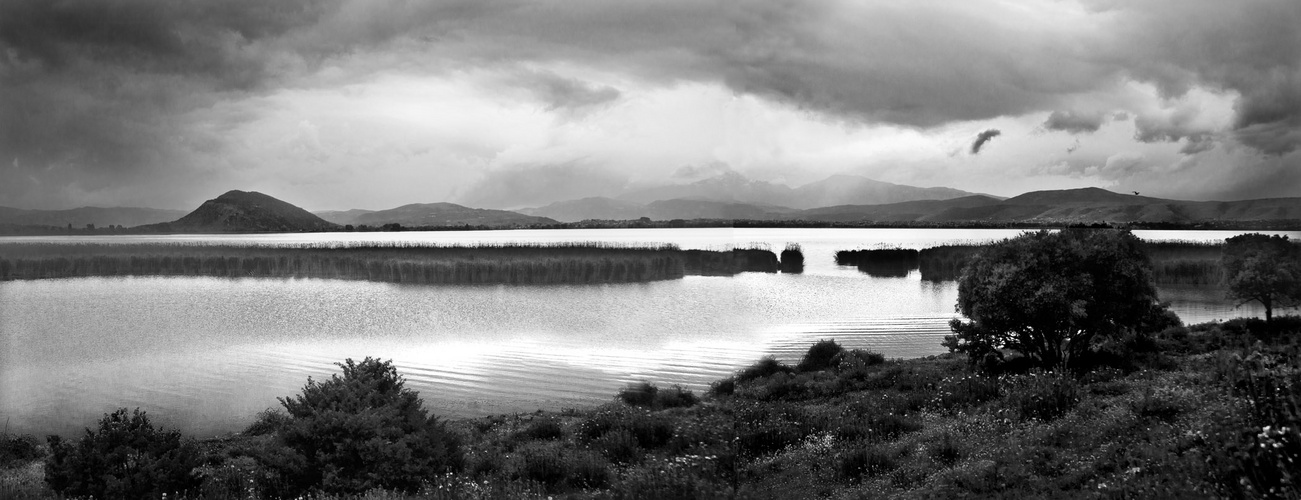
[(337, 104)]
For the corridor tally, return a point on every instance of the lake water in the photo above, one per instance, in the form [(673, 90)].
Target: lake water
[(207, 354)]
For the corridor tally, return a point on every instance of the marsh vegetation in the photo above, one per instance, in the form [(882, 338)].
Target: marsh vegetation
[(396, 263)]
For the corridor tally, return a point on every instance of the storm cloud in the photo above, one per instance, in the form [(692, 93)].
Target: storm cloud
[(983, 138), (1074, 122), (143, 101)]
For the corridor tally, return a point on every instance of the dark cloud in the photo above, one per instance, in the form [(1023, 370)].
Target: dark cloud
[(1251, 47), (983, 138), (536, 185), (1074, 122), (567, 93), (95, 95)]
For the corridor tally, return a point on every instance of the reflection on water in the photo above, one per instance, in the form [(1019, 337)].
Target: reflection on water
[(207, 354)]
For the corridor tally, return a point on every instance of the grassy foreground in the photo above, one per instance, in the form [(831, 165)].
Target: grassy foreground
[(1210, 411)]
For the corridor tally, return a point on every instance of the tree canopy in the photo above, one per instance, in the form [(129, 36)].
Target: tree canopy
[(1052, 295), (1263, 268)]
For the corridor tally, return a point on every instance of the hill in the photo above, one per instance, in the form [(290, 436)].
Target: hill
[(80, 217), (707, 209), (857, 190), (894, 212), (342, 217), (597, 207), (732, 187), (240, 211), (443, 214)]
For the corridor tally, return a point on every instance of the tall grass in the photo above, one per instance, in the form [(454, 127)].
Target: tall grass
[(888, 263), (729, 262), (945, 262), (396, 263), (1186, 262), (792, 259), (1173, 262)]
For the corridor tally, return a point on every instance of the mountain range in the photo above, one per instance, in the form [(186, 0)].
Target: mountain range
[(733, 187), (433, 214), (726, 197)]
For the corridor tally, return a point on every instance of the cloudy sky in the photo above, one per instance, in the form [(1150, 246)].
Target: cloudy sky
[(337, 104)]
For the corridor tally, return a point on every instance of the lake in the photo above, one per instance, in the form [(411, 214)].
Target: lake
[(206, 354)]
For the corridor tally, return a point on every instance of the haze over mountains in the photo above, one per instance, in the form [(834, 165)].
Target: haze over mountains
[(433, 214), (848, 199)]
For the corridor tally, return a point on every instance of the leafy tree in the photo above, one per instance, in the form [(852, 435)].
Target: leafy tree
[(1265, 269), (127, 458), (1052, 295), (361, 431)]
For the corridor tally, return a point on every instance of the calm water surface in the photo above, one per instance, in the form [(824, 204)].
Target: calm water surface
[(207, 354)]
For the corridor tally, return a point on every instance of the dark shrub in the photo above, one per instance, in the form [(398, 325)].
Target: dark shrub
[(647, 395), (1157, 407), (269, 421), (724, 387), (675, 396), (15, 449), (856, 360), (649, 430), (960, 392), (126, 458), (864, 462), (1043, 396), (764, 367), (619, 445), (820, 356), (543, 429), (362, 431), (639, 394)]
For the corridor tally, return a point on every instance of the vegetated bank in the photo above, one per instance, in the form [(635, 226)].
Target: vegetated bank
[(509, 264), (1173, 262), (1208, 411)]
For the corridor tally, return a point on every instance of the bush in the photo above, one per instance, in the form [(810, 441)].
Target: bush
[(676, 396), (639, 394), (543, 429), (126, 458), (820, 356), (1043, 396), (723, 387), (765, 367), (649, 430), (856, 360), (362, 431), (269, 421), (647, 395), (17, 450)]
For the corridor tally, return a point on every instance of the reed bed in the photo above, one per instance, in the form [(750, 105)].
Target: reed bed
[(729, 262), (1173, 262), (945, 262), (395, 263), (792, 259), (885, 263), (1186, 262)]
